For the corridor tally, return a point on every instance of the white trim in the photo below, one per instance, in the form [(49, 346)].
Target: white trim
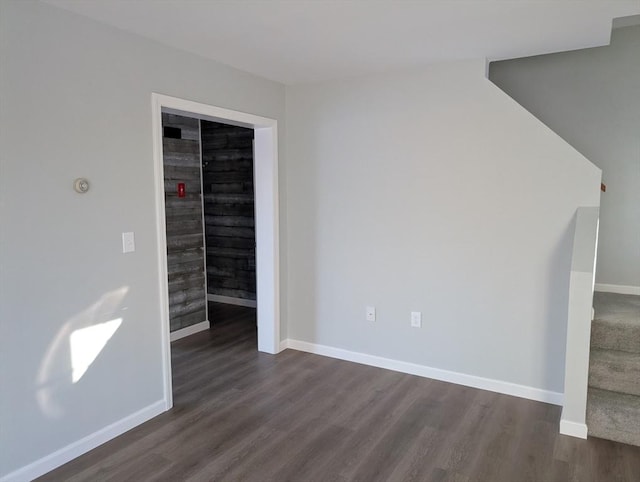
[(284, 344), (82, 446), (161, 239), (196, 110), (189, 330), (229, 300), (573, 429), (266, 219), (620, 289), (474, 381), (267, 222)]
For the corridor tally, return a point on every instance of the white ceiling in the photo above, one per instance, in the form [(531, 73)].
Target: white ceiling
[(306, 40)]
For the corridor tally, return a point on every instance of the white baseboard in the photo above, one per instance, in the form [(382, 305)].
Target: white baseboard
[(573, 429), (620, 289), (189, 330), (474, 381), (284, 344), (79, 447), (232, 301)]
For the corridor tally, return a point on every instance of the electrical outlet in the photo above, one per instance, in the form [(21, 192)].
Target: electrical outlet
[(416, 319), (371, 313), (128, 242)]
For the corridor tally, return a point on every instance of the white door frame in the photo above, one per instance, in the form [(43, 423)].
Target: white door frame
[(266, 219)]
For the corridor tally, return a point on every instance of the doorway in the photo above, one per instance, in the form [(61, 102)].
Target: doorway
[(228, 213), (266, 219)]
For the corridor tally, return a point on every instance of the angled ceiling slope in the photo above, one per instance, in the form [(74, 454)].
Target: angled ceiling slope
[(307, 41)]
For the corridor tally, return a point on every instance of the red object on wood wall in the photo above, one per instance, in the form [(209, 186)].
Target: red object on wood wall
[(181, 189)]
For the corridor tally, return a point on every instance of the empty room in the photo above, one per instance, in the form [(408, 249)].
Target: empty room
[(339, 240)]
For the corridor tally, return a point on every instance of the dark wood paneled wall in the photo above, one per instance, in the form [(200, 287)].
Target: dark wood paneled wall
[(227, 168), (185, 243)]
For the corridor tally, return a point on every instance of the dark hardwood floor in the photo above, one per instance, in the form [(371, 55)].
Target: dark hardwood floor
[(243, 415)]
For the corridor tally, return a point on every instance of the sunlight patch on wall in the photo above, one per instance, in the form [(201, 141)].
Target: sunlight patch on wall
[(87, 343), (74, 348)]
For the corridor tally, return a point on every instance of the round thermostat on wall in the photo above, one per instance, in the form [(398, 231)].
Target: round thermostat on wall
[(81, 185)]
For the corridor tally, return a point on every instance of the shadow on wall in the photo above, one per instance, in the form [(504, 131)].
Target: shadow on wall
[(75, 348)]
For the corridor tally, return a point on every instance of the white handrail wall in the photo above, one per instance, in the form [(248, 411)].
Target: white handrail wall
[(583, 265)]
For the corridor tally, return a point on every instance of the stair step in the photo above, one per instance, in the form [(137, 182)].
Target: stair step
[(617, 322), (613, 416), (616, 371), (616, 335)]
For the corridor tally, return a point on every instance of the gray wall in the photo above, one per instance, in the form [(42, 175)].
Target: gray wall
[(185, 236), (76, 101), (227, 172), (591, 98), (432, 191)]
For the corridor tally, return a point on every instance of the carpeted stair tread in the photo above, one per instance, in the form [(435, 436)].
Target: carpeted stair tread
[(616, 324), (613, 416), (617, 371), (615, 335), (616, 307)]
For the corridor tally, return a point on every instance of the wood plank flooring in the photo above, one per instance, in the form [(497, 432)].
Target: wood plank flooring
[(243, 415)]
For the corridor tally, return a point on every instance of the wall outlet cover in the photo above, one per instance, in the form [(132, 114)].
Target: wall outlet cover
[(416, 319), (128, 242), (371, 313)]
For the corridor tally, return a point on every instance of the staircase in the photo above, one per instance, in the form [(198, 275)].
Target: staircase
[(613, 401)]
